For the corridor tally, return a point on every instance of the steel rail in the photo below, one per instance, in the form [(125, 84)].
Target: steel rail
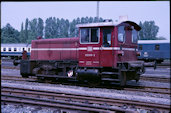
[(10, 67), (85, 98), (17, 78), (150, 89), (62, 104), (156, 79)]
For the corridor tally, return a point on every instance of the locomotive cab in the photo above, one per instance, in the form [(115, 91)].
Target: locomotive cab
[(108, 52)]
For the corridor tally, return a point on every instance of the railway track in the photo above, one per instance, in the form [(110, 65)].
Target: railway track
[(155, 79), (18, 78), (10, 67), (57, 100), (75, 101), (150, 89)]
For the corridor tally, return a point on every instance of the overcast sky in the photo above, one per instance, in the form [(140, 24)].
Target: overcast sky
[(16, 12)]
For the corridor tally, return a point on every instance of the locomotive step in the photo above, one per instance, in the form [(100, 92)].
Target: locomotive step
[(110, 73), (110, 79), (55, 76)]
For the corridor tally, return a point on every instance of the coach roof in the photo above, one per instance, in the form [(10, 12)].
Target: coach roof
[(99, 24), (15, 45), (152, 41)]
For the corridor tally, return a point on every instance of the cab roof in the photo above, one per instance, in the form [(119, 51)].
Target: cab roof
[(100, 24)]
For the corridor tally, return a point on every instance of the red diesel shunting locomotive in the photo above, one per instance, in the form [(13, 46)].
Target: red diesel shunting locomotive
[(104, 51)]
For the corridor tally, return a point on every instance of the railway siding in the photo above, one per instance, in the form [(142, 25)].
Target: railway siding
[(91, 93), (68, 100)]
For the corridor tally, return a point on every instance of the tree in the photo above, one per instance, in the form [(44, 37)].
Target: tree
[(9, 34), (72, 28), (90, 20), (161, 38), (95, 19), (40, 27), (26, 29), (148, 30), (22, 35), (58, 27), (66, 28), (32, 31), (47, 28), (51, 28)]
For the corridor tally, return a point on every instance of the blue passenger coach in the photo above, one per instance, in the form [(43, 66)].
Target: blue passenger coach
[(154, 50), (14, 50)]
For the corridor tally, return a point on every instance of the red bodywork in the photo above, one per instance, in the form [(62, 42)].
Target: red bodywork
[(55, 49), (88, 55), (105, 51)]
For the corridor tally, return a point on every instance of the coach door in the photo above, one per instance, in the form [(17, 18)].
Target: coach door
[(106, 57)]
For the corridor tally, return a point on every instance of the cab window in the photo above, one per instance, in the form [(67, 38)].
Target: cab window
[(134, 36), (121, 34), (89, 35), (107, 37)]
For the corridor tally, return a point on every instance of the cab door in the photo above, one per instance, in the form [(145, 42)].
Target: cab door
[(89, 47), (106, 50)]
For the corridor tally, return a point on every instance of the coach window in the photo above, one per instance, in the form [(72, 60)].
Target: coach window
[(29, 49), (4, 49), (89, 35), (23, 49), (134, 36), (15, 49), (121, 34), (140, 47), (9, 49), (157, 47)]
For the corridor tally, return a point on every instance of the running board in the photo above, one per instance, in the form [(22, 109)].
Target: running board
[(110, 79), (110, 73)]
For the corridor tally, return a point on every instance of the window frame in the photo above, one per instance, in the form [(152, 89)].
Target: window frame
[(4, 49), (132, 36), (157, 45), (10, 49), (15, 49), (107, 37), (29, 49), (124, 36), (90, 36), (141, 47)]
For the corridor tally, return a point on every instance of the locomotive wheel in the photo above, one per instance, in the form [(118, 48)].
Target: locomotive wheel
[(24, 75), (94, 82), (137, 78)]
